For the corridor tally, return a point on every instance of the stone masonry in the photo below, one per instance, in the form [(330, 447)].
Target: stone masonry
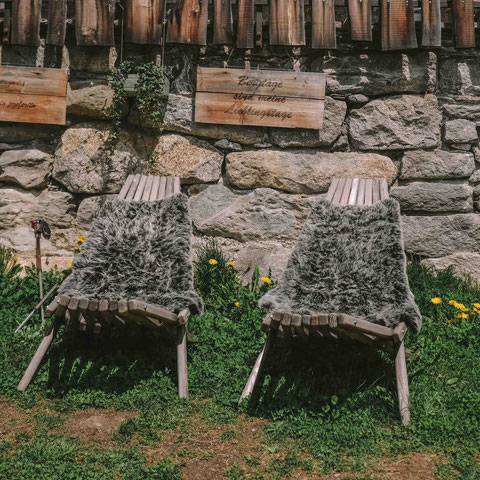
[(411, 117)]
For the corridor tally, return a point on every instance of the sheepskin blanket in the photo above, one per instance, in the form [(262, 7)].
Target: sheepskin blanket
[(349, 259), (138, 250)]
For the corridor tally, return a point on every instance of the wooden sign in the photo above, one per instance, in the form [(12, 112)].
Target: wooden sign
[(323, 24), (398, 25), (287, 22), (259, 97), (360, 15), (94, 22), (33, 95)]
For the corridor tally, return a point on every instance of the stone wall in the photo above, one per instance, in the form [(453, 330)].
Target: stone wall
[(411, 117)]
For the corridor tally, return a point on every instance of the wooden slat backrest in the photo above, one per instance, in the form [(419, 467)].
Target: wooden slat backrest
[(149, 187), (357, 191)]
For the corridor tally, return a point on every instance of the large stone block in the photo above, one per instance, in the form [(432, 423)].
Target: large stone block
[(178, 117), (27, 168), (460, 131), (91, 59), (442, 235), (436, 164), (434, 197), (83, 165), (261, 214), (378, 73), (191, 159), (459, 75), (303, 171), (396, 123), (335, 111), (466, 111), (24, 132), (463, 263), (19, 207)]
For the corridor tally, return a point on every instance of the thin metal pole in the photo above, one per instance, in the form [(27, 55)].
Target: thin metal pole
[(39, 271)]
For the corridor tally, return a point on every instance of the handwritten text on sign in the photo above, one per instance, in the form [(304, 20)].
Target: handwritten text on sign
[(33, 95), (260, 97)]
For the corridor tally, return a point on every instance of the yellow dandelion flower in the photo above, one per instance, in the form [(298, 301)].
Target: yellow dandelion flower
[(452, 302), (81, 239), (231, 264), (237, 304), (77, 249), (436, 300), (70, 263), (462, 315), (212, 261), (266, 280), (476, 305), (14, 259)]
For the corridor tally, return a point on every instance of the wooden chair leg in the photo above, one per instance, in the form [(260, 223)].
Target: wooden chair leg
[(182, 362), (39, 354), (402, 382), (252, 379)]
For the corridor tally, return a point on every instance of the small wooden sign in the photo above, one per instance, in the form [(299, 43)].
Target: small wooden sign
[(260, 97), (33, 95)]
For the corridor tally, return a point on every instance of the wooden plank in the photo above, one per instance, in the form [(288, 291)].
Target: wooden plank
[(161, 188), (332, 189), (25, 23), (176, 185), (142, 308), (363, 326), (261, 82), (360, 16), (463, 23), (375, 190), (323, 24), (398, 25), (144, 21), (32, 109), (245, 26), (52, 307), (148, 188), (361, 192), (258, 28), (187, 22), (154, 191), (49, 82), (338, 192), (133, 187), (368, 191), (141, 186), (225, 109), (169, 186), (73, 310), (287, 22), (57, 22), (126, 187), (354, 191), (431, 23), (346, 191), (182, 372), (94, 22), (383, 189), (223, 22), (402, 382)]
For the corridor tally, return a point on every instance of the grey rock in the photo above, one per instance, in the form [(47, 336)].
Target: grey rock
[(227, 146), (27, 168), (335, 111), (91, 59), (464, 147), (463, 263), (191, 159), (475, 178), (400, 122), (358, 99), (436, 164), (88, 211), (178, 117), (286, 170), (378, 73), (460, 75), (261, 214), (467, 111), (433, 197), (441, 235), (460, 131), (83, 166)]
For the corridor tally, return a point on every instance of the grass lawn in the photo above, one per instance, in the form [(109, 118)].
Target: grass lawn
[(106, 407)]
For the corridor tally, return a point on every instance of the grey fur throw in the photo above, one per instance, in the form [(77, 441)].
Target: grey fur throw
[(138, 250), (349, 259)]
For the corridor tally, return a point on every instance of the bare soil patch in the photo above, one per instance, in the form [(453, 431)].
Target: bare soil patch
[(14, 420)]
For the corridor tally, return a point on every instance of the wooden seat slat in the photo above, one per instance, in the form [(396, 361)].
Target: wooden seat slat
[(126, 187), (148, 188), (176, 185), (354, 191), (154, 191), (141, 187), (142, 308), (346, 191), (332, 188), (133, 187), (169, 187), (361, 192), (161, 188), (383, 189), (376, 190), (339, 190), (368, 191)]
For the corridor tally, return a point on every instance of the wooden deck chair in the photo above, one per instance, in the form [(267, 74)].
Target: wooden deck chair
[(341, 325), (93, 314)]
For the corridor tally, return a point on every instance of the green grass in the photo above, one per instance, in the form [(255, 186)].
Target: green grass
[(335, 402)]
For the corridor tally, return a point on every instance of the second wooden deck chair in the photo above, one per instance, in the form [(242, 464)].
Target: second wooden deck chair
[(134, 270), (346, 279)]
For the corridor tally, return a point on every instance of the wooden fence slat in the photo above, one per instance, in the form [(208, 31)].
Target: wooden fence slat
[(398, 25), (57, 22), (287, 22), (223, 22), (463, 23), (144, 21), (187, 22), (431, 23), (360, 16), (25, 25), (323, 24), (94, 22), (245, 24)]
